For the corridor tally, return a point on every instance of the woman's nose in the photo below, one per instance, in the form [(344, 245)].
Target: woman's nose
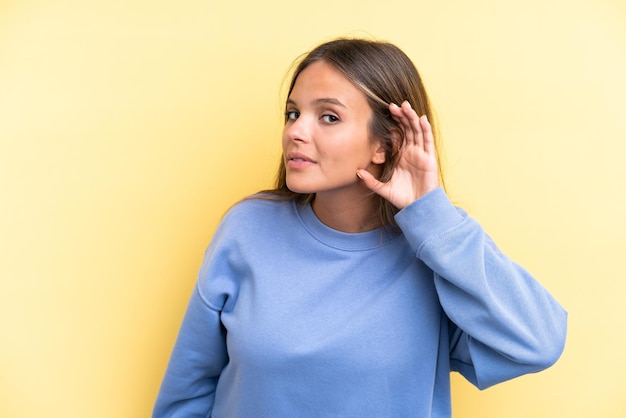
[(298, 130)]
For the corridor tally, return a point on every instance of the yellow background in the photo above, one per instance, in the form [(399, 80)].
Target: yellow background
[(127, 128)]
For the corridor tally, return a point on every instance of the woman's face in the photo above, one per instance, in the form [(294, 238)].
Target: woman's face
[(326, 136)]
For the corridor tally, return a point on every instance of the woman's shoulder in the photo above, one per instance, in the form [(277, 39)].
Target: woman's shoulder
[(261, 202), (253, 216), (260, 207)]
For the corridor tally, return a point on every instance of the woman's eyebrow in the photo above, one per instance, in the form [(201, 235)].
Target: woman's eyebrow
[(322, 100)]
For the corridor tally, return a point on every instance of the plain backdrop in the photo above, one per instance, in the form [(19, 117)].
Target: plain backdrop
[(128, 128)]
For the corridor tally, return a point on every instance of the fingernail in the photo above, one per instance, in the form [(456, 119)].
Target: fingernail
[(358, 174), (409, 103)]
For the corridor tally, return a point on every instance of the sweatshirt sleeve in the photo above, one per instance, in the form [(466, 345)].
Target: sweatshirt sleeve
[(199, 354), (503, 322)]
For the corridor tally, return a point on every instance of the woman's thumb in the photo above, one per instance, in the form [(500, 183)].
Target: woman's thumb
[(370, 181)]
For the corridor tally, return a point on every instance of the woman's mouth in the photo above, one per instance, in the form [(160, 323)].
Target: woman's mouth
[(297, 160)]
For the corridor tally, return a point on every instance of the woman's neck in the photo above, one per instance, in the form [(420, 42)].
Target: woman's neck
[(350, 214)]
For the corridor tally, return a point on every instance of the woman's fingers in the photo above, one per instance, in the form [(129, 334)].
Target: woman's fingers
[(429, 139), (411, 123), (414, 123)]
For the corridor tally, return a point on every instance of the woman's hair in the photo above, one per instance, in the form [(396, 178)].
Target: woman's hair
[(385, 75)]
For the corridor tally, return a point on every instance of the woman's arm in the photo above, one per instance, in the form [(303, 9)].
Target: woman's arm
[(198, 357), (503, 322)]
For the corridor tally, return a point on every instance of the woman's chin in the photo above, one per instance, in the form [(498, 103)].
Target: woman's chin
[(297, 188)]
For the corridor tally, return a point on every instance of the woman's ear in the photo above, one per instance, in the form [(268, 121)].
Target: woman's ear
[(379, 156)]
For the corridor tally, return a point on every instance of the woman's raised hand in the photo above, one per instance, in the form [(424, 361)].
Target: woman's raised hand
[(416, 173)]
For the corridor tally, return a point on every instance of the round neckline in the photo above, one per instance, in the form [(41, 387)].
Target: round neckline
[(334, 238)]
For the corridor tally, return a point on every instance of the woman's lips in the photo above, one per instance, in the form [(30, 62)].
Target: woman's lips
[(297, 160)]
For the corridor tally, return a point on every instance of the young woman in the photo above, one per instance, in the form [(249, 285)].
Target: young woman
[(354, 287)]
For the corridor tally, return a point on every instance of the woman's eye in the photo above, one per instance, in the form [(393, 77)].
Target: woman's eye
[(291, 115), (330, 118)]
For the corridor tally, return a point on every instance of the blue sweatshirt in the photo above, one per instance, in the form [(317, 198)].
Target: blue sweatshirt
[(291, 318)]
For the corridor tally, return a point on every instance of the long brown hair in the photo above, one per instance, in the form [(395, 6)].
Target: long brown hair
[(385, 75)]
